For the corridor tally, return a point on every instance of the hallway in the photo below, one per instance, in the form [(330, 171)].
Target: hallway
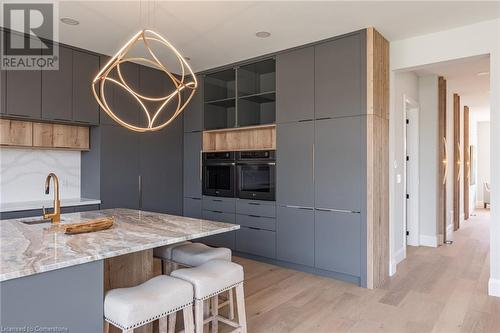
[(435, 290)]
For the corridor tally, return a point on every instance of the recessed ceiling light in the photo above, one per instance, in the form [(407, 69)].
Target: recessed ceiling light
[(483, 73), (263, 34), (69, 21)]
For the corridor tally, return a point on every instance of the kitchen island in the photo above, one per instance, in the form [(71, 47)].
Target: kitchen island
[(55, 282)]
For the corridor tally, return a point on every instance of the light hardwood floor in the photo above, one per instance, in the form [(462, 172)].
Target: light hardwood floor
[(435, 290)]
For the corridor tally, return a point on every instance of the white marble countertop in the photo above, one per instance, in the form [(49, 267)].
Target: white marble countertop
[(28, 205), (30, 249)]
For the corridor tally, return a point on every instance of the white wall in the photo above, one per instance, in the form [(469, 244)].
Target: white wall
[(472, 40), (23, 172), (483, 157), (473, 189), (406, 84), (428, 159)]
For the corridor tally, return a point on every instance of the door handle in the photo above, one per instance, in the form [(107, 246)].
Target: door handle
[(256, 216), (459, 161), (445, 160)]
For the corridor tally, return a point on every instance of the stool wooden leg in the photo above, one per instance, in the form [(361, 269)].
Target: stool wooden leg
[(198, 316), (187, 313), (171, 322), (163, 325), (106, 326), (215, 313), (240, 305), (230, 299)]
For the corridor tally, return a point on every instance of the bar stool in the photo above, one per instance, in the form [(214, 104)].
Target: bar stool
[(158, 298), (190, 254), (209, 280)]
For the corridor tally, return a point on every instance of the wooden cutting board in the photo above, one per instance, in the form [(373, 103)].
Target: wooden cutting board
[(83, 227)]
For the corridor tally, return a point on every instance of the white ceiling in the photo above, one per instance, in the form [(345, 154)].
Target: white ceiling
[(462, 78), (218, 33)]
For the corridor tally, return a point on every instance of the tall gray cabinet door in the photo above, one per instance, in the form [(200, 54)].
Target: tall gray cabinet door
[(192, 165), (338, 242), (192, 208), (119, 168), (193, 114), (340, 77), (23, 93), (85, 107), (295, 183), (161, 169), (339, 165), (295, 235), (2, 91), (57, 94), (295, 85)]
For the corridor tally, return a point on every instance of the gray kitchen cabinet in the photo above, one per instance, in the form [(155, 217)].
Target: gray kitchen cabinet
[(192, 164), (340, 77), (192, 208), (294, 176), (3, 74), (85, 107), (256, 241), (160, 169), (295, 235), (338, 242), (123, 104), (193, 113), (221, 204), (86, 208), (119, 168), (339, 165), (20, 214), (226, 239), (155, 83), (256, 207), (23, 93), (295, 85), (57, 88), (256, 221)]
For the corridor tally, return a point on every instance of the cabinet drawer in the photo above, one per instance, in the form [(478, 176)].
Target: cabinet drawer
[(219, 216), (256, 241), (255, 221), (226, 205), (192, 207), (86, 208), (253, 207)]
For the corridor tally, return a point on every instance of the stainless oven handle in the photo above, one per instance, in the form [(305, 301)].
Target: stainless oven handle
[(256, 163), (219, 163)]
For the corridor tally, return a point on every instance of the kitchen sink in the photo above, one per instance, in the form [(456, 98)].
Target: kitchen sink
[(36, 221)]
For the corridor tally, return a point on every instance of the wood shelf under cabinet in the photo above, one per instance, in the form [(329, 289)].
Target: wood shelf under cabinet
[(260, 137)]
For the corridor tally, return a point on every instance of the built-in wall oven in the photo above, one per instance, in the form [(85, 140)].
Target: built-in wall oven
[(219, 174), (256, 175)]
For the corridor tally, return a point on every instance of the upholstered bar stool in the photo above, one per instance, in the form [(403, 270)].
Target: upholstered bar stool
[(209, 280), (158, 298), (194, 254)]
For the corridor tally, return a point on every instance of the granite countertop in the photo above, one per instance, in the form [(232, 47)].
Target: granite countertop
[(30, 249), (28, 205)]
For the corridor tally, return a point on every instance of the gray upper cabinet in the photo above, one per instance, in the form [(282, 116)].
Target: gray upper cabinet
[(295, 178), (338, 242), (193, 113), (23, 93), (85, 107), (295, 85), (295, 235), (161, 169), (57, 88), (340, 76), (119, 168), (192, 165), (339, 166)]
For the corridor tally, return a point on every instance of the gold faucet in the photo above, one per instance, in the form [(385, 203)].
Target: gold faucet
[(56, 215)]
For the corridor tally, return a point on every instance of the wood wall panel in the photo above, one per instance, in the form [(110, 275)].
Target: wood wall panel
[(442, 158), (248, 138), (457, 162), (377, 159), (466, 158)]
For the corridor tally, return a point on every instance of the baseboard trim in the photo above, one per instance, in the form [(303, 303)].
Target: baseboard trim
[(494, 287), (426, 240), (449, 232), (398, 257)]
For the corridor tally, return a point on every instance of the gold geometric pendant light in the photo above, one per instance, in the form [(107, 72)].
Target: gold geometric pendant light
[(184, 82)]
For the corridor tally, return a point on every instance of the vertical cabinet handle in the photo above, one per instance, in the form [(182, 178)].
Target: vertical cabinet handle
[(445, 160), (459, 161), (313, 175)]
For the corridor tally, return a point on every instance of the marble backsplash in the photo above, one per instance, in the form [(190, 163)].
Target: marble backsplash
[(23, 172)]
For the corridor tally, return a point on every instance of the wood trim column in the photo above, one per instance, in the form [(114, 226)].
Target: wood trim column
[(466, 155), (377, 210), (442, 158), (457, 161)]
